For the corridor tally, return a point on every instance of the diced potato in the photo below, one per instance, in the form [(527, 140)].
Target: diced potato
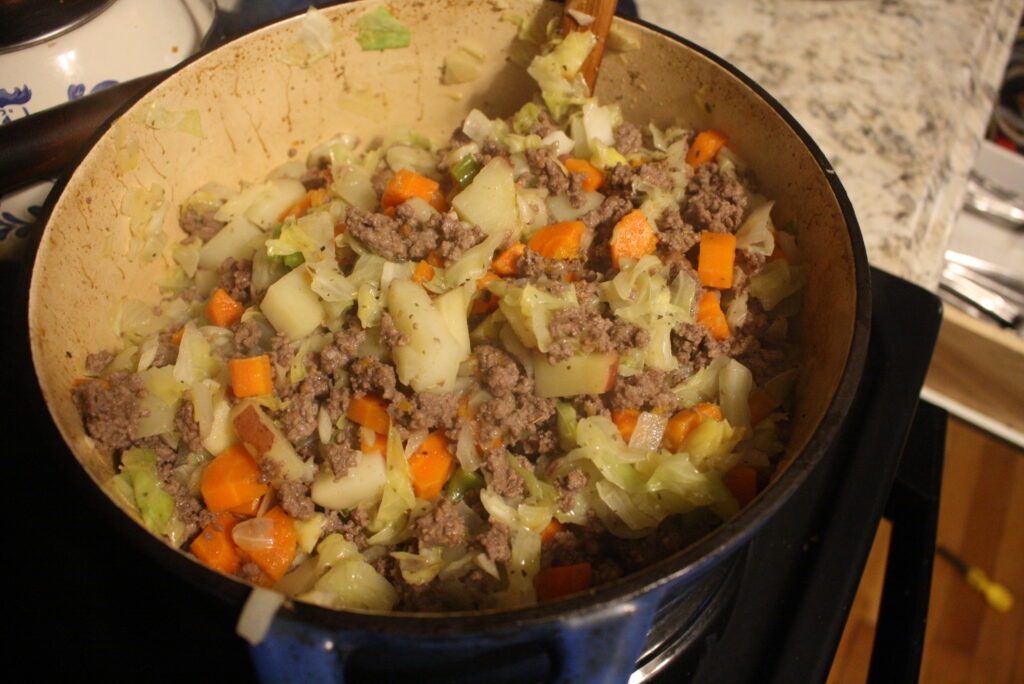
[(560, 209), (592, 373), (277, 196), (452, 306), (238, 239), (221, 434), (291, 306), (261, 435), (308, 531), (363, 484), (430, 361), (354, 184), (490, 200)]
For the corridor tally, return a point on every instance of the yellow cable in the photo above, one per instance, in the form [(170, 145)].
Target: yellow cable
[(997, 596)]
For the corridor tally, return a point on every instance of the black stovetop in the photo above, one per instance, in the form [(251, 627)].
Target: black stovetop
[(86, 603)]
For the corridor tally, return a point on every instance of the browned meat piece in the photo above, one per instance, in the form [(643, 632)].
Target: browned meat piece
[(110, 409), (236, 278), (201, 225), (441, 526), (714, 201)]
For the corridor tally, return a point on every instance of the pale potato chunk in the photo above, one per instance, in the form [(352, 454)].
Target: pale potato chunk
[(362, 484), (490, 200), (291, 306), (430, 360)]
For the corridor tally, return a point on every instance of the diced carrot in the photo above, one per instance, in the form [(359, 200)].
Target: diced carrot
[(559, 240), (313, 198), (370, 412), (434, 259), (379, 443), (678, 427), (705, 147), (761, 405), (711, 316), (507, 263), (484, 303), (632, 237), (593, 176), (250, 509), (405, 185), (486, 279), (176, 337), (230, 480), (215, 548), (625, 420), (276, 559), (339, 229), (424, 272), (562, 580), (716, 259), (252, 376), (686, 421), (222, 310), (711, 411), (431, 465), (549, 531), (742, 482)]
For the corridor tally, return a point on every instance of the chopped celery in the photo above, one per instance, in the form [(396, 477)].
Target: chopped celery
[(465, 170), (462, 482)]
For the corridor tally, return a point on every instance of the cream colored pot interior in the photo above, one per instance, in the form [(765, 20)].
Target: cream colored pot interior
[(255, 109)]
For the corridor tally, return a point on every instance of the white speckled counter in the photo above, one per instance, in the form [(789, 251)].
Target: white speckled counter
[(897, 94)]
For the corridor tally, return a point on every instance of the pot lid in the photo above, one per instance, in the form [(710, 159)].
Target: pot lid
[(31, 21)]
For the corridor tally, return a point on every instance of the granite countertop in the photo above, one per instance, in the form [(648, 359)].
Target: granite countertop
[(897, 93)]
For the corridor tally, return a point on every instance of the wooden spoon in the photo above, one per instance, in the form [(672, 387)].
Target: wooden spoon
[(602, 11)]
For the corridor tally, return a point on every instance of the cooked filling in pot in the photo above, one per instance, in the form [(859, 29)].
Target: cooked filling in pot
[(495, 372)]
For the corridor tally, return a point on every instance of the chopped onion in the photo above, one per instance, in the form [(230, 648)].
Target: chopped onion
[(650, 427), (465, 451), (487, 565), (255, 534), (257, 614)]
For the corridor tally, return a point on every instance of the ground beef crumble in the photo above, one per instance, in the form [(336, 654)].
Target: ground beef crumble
[(110, 408)]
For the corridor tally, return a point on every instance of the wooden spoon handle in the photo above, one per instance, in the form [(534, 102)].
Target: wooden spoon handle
[(602, 11)]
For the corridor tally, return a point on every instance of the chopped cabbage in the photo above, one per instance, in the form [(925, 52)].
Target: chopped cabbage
[(313, 40), (557, 72), (398, 498), (777, 280), (138, 480), (380, 30), (158, 117), (349, 581), (529, 309), (145, 209), (755, 235)]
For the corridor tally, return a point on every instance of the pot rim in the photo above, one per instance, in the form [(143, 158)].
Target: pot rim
[(693, 560)]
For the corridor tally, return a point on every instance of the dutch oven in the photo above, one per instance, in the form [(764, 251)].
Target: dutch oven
[(254, 108)]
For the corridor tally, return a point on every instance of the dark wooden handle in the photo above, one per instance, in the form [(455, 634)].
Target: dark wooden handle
[(41, 145), (602, 11)]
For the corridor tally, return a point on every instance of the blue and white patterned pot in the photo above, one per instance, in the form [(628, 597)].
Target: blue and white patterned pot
[(125, 39)]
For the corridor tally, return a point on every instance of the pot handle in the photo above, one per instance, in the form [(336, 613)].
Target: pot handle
[(604, 648), (595, 647)]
